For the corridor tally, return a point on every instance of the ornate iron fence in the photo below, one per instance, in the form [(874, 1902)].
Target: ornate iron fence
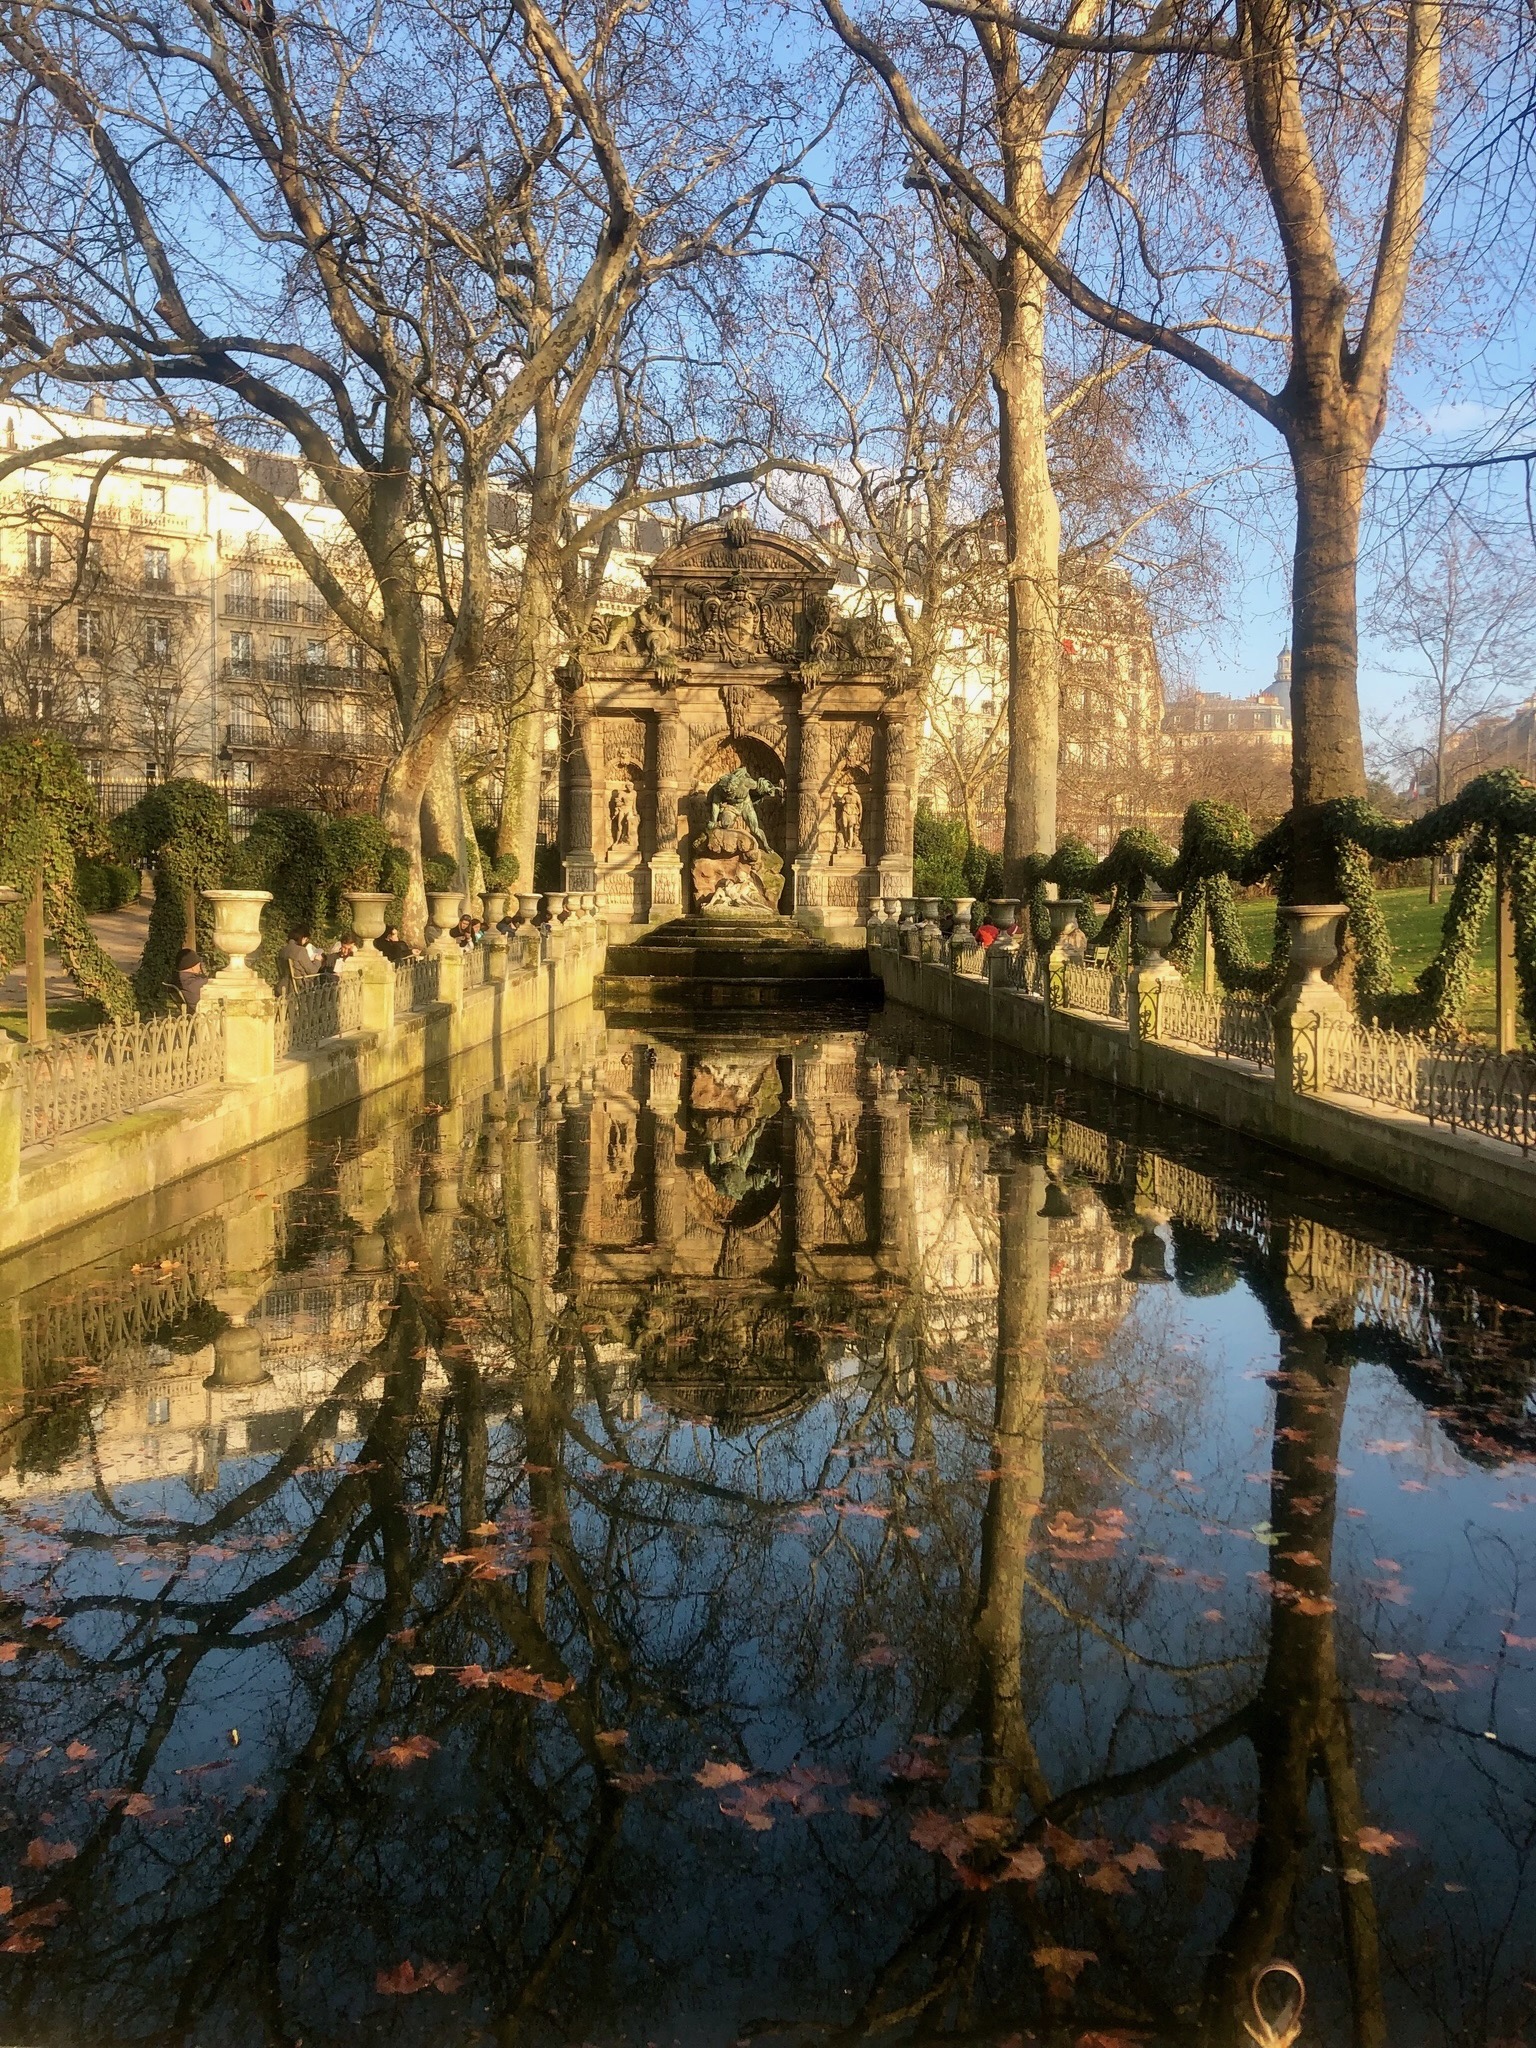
[(1014, 968), (1468, 1087), (1229, 1026), (324, 1006), (96, 1075), (1096, 991), (416, 983), (477, 966)]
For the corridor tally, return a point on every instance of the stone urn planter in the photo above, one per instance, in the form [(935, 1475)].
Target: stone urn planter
[(446, 905), (237, 1358), (1003, 911), (589, 905), (495, 906), (554, 906), (1313, 929), (237, 928), (964, 905), (891, 905), (527, 908), (368, 908), (1152, 923)]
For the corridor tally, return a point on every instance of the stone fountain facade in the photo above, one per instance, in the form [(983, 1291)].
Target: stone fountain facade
[(735, 746)]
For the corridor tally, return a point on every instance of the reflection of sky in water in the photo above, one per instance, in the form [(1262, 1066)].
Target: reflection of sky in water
[(655, 1617)]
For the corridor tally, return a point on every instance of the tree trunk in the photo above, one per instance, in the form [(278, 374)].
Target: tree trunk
[(400, 802), (526, 711), (1327, 758), (1032, 529)]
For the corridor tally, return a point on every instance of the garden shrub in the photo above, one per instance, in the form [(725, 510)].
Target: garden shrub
[(49, 822), (183, 828)]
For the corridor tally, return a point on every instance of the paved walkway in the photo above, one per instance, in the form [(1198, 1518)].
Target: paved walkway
[(122, 934)]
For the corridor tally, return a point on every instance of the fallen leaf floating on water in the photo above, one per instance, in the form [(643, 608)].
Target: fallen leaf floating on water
[(43, 1855), (475, 1677), (398, 1755), (406, 1979), (1380, 1842), (712, 1775), (1063, 1963), (1210, 1832), (1511, 1642)]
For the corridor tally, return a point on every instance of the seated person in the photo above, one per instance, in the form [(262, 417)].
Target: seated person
[(298, 960), (343, 949), (191, 976), (392, 946)]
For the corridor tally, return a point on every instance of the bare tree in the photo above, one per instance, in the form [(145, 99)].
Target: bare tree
[(1334, 117), (384, 196), (1465, 614), (1030, 127)]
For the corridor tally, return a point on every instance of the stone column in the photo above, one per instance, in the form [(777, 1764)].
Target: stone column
[(581, 783), (895, 1137), (896, 806), (663, 1097), (666, 861), (810, 890)]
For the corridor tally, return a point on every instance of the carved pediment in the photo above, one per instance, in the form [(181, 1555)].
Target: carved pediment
[(716, 554)]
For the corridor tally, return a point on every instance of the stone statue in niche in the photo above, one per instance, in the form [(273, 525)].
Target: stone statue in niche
[(848, 821), (735, 870), (623, 817)]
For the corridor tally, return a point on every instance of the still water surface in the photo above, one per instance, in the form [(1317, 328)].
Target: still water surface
[(765, 1539)]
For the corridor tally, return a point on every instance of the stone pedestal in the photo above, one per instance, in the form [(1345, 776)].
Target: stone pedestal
[(377, 978), (1307, 1004)]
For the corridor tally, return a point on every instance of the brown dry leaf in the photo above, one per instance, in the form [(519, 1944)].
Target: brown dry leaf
[(1066, 1963), (1140, 1856), (1069, 1852), (21, 1944), (7, 1899), (79, 1752), (1380, 1842), (866, 1809), (43, 1855), (1027, 1864), (1109, 1877), (397, 1755), (712, 1775), (1210, 1843)]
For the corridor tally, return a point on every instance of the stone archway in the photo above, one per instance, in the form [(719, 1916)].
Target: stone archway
[(721, 756)]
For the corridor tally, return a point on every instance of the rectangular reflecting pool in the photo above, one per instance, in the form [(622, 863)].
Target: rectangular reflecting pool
[(748, 1536)]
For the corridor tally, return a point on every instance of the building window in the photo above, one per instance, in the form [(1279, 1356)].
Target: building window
[(92, 559), (88, 633), (39, 629), (314, 654), (280, 654), (157, 566), (241, 653), (354, 657), (159, 1410), (157, 639), (243, 776), (242, 592), (152, 500), (40, 554), (280, 598)]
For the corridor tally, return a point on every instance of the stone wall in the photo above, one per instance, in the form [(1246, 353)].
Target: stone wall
[(1478, 1178), (50, 1188)]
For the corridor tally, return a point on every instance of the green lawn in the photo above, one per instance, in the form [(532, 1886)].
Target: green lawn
[(1414, 925), (74, 1015)]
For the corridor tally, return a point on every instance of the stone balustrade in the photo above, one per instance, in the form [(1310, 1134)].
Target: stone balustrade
[(92, 1121), (1453, 1124)]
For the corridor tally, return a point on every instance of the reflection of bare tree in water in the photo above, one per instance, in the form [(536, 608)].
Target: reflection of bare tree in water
[(632, 1588)]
